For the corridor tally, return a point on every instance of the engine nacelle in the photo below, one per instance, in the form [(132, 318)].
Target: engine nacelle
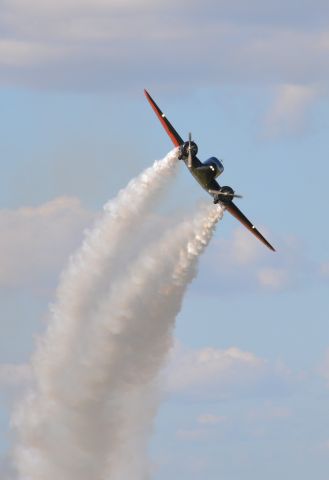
[(225, 195), (215, 165), (184, 149)]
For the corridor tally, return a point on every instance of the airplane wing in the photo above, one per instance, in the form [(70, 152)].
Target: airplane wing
[(175, 138), (229, 205), (233, 209)]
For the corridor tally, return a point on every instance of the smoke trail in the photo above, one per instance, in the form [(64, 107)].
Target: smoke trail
[(161, 292), (96, 367), (96, 264)]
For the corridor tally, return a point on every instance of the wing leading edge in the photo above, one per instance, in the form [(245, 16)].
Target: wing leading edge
[(229, 206), (175, 138)]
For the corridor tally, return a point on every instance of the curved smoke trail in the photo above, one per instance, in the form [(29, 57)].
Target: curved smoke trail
[(109, 335), (96, 264), (161, 278)]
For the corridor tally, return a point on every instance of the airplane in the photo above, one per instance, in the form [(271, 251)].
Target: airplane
[(206, 172)]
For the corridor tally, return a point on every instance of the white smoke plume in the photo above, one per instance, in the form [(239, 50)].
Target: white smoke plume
[(90, 412)]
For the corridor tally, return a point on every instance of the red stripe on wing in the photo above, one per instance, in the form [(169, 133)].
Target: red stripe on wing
[(175, 138)]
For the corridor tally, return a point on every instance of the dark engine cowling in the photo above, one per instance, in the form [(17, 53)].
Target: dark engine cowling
[(225, 195), (184, 149), (215, 165)]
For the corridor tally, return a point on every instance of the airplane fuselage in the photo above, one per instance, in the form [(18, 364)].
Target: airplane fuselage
[(206, 172)]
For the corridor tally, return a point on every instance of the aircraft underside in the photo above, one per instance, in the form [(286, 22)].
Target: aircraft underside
[(206, 172)]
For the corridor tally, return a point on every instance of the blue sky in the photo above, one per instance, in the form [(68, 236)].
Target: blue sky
[(252, 85)]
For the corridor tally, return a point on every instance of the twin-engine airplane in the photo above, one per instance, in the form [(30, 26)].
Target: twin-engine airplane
[(205, 173)]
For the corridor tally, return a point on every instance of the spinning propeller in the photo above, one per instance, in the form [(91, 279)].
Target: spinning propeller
[(189, 157), (224, 193)]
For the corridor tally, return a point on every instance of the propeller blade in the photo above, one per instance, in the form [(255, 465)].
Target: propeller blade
[(189, 158), (226, 194)]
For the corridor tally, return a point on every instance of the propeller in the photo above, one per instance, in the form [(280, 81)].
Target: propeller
[(189, 157), (225, 194)]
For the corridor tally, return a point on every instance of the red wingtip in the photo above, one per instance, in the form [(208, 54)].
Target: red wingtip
[(175, 138)]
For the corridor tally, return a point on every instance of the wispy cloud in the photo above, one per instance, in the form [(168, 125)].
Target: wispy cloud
[(324, 269), (273, 278), (202, 428), (269, 412), (106, 44), (211, 373), (290, 109), (241, 263), (323, 368), (210, 419), (35, 242), (14, 375), (14, 380), (191, 434)]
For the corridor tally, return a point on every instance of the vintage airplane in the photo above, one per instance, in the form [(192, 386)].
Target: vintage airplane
[(206, 172)]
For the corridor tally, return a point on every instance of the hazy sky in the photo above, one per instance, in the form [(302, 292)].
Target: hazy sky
[(248, 384)]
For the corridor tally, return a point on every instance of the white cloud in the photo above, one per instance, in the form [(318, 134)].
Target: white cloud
[(290, 109), (241, 263), (269, 412), (323, 447), (201, 431), (198, 369), (35, 242), (14, 379), (243, 248), (323, 369), (273, 278), (12, 375), (238, 251), (219, 374), (324, 269), (7, 471), (191, 434), (210, 419), (15, 53), (109, 43)]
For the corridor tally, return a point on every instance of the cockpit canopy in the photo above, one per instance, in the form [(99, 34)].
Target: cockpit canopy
[(216, 166)]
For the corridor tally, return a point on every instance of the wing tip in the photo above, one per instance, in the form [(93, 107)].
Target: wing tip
[(267, 243)]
